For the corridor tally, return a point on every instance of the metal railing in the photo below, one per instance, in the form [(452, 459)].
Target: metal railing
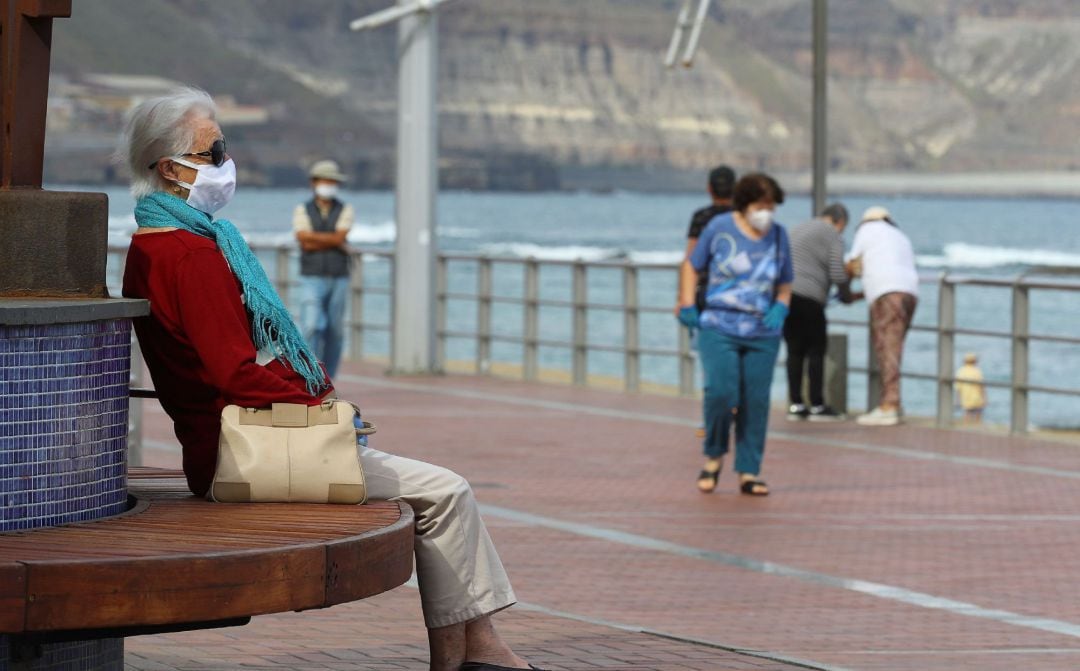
[(533, 335), (631, 309)]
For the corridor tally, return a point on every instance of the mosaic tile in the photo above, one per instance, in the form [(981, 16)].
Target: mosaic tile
[(63, 422)]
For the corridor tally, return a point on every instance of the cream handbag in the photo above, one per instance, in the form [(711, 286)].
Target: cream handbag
[(290, 453)]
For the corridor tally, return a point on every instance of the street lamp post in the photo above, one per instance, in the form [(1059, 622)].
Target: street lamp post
[(820, 147), (412, 347), (819, 125)]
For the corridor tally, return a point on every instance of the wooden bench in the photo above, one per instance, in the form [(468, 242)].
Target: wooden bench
[(176, 562)]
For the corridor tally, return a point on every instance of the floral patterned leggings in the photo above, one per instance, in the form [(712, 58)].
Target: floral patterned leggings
[(890, 318)]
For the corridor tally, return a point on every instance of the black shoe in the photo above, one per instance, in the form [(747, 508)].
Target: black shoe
[(824, 413), (797, 412)]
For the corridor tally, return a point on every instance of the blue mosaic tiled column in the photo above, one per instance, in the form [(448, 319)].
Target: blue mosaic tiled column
[(105, 654), (64, 376), (63, 422)]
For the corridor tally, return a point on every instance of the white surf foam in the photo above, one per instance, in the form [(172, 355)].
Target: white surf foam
[(672, 257), (563, 253), (964, 255)]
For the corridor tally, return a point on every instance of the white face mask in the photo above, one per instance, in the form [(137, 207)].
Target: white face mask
[(213, 187), (760, 220), (327, 191)]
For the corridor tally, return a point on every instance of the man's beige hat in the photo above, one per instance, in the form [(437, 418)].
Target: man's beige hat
[(876, 213), (326, 170), (971, 357)]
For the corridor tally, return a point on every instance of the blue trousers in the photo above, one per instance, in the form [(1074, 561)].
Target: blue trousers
[(322, 317), (738, 374)]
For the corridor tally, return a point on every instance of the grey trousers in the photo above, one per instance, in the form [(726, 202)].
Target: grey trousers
[(460, 575)]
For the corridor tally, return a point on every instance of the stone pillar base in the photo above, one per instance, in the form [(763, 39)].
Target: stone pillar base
[(55, 244)]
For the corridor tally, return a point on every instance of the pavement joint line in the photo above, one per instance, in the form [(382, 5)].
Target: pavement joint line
[(638, 629), (761, 654), (853, 518), (900, 452), (875, 589), (962, 651)]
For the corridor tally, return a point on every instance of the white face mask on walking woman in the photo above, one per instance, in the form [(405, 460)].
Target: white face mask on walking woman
[(760, 220), (327, 191), (213, 187)]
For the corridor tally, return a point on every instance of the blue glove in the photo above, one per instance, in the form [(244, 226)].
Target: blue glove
[(359, 423), (688, 316), (775, 316)]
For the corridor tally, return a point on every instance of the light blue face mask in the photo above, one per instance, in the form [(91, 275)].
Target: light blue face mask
[(213, 187)]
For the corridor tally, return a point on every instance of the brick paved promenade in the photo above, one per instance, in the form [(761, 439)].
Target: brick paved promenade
[(884, 548)]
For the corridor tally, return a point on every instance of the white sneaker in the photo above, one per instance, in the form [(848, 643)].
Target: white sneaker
[(879, 417)]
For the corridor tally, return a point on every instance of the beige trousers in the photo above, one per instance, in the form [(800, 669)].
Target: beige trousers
[(461, 577)]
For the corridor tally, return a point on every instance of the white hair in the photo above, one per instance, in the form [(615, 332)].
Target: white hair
[(160, 127)]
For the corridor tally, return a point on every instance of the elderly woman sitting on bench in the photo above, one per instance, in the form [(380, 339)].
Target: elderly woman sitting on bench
[(218, 334)]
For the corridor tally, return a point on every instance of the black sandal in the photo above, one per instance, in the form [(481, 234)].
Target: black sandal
[(754, 487), (706, 480)]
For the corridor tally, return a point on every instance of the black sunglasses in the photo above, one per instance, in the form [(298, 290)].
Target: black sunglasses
[(216, 154)]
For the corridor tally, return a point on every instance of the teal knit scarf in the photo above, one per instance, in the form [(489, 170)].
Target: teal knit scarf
[(272, 328)]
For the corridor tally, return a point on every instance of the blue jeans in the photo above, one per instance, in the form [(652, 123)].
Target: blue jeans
[(738, 374), (322, 317)]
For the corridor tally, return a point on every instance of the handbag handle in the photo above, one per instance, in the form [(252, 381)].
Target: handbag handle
[(366, 428)]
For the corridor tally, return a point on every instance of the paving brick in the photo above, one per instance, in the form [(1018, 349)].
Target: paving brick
[(974, 518)]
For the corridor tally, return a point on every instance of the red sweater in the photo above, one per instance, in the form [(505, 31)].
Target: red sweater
[(197, 343)]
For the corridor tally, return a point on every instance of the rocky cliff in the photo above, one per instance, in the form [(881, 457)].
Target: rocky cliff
[(550, 88)]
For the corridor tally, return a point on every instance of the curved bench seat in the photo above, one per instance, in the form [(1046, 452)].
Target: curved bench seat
[(176, 559)]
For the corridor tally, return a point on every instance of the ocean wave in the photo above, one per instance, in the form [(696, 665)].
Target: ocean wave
[(672, 257), (367, 233), (964, 255), (566, 253), (460, 232)]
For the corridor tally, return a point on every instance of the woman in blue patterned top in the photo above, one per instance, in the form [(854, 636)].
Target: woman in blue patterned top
[(748, 260)]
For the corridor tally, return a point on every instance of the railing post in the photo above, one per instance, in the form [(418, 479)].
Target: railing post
[(356, 307), (580, 365), (441, 289), (282, 275), (1019, 383), (946, 332), (483, 316), (836, 371), (631, 352), (873, 371), (531, 368), (686, 362), (135, 406), (393, 259)]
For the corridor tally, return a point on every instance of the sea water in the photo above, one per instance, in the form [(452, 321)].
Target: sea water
[(985, 237)]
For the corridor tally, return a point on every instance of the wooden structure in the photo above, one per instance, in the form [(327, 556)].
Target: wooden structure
[(176, 561), (25, 41)]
